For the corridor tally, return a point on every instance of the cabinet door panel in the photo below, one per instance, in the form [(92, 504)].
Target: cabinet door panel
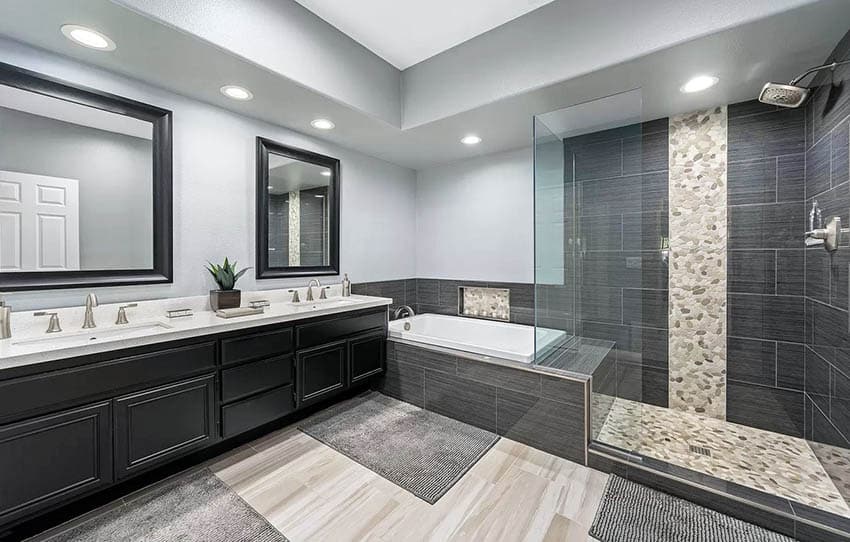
[(366, 356), (157, 425), (51, 459), (251, 378), (255, 411), (321, 372), (256, 346)]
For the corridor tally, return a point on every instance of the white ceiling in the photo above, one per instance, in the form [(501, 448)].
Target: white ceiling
[(406, 32), (744, 57), (53, 108)]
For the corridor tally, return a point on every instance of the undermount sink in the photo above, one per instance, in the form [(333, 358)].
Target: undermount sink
[(128, 331), (320, 304)]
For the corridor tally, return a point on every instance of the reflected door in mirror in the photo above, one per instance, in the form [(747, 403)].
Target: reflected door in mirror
[(39, 223)]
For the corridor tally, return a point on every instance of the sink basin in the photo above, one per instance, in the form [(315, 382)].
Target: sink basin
[(320, 304), (128, 331)]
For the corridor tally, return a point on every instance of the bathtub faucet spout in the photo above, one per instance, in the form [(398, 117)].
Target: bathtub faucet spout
[(403, 312)]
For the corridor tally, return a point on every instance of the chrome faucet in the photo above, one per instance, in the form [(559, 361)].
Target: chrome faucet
[(91, 301), (404, 309), (52, 326), (310, 288), (5, 320), (122, 313)]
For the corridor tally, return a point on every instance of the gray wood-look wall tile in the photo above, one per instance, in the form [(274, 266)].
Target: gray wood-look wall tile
[(470, 402), (499, 376), (751, 271), (790, 365), (403, 381), (771, 409), (751, 360), (548, 425), (773, 225), (778, 318)]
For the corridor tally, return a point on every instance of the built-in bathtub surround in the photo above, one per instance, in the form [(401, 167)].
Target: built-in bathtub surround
[(440, 296), (494, 303), (697, 327), (546, 411)]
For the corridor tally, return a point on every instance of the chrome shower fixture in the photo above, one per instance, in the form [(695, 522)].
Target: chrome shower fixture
[(792, 94)]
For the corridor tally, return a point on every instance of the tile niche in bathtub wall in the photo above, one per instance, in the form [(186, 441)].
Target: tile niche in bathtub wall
[(490, 303)]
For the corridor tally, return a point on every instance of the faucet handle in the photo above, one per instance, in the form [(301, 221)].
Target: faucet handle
[(122, 313), (295, 298), (52, 326), (322, 292)]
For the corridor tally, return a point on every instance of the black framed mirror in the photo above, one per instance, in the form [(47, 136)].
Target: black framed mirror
[(85, 186), (297, 212)]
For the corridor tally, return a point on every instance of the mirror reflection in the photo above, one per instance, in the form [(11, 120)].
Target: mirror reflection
[(297, 213), (76, 186)]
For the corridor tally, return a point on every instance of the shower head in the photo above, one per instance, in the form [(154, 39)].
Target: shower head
[(783, 95), (792, 94)]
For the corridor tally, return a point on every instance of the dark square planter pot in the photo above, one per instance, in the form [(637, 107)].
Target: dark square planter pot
[(225, 299)]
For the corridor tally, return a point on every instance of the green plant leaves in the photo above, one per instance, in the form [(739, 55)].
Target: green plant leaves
[(225, 275)]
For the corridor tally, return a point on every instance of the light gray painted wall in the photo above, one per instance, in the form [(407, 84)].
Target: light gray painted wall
[(560, 41), (214, 193), (474, 219), (115, 178), (286, 38)]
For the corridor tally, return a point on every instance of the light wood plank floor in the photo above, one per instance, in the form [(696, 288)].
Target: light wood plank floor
[(312, 493)]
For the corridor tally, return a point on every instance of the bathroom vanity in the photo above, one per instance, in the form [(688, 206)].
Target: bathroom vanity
[(75, 420)]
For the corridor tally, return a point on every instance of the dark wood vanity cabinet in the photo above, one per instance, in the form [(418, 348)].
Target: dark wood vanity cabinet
[(366, 355), (76, 426), (321, 372), (335, 354), (157, 425), (50, 459)]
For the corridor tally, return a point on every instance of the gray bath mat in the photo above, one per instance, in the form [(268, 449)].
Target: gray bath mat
[(631, 512), (197, 507), (420, 451)]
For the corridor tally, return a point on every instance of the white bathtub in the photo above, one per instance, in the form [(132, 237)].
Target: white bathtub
[(497, 339)]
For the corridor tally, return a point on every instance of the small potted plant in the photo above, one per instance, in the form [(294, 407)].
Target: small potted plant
[(225, 276)]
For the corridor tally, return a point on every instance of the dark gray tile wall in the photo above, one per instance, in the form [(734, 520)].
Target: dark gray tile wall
[(765, 267), (279, 230), (313, 226), (827, 180), (439, 296), (542, 411), (621, 181)]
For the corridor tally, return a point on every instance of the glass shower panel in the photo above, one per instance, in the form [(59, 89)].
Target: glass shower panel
[(597, 270), (554, 283)]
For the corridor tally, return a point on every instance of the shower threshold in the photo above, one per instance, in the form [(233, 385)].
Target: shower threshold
[(802, 480)]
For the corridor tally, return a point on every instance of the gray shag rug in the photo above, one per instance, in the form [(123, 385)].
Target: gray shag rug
[(630, 512), (420, 451), (197, 507)]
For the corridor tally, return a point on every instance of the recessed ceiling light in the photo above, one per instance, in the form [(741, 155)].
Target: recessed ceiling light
[(88, 37), (323, 124), (699, 83), (236, 92), (326, 173), (471, 140)]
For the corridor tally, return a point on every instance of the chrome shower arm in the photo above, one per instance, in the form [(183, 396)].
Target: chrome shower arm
[(810, 71)]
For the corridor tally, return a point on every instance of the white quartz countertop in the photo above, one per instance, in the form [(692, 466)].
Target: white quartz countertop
[(149, 325)]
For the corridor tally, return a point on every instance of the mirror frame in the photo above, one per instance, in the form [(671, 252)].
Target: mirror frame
[(263, 271), (162, 270)]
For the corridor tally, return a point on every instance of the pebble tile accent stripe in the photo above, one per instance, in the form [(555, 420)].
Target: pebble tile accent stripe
[(697, 273)]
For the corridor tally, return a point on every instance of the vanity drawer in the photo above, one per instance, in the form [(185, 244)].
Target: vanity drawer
[(309, 335), (46, 391), (256, 346), (245, 415), (255, 377)]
